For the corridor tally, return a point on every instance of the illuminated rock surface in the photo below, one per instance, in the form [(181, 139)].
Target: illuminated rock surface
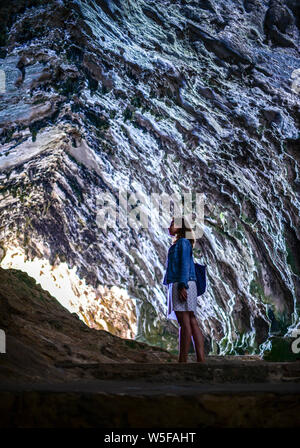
[(155, 96)]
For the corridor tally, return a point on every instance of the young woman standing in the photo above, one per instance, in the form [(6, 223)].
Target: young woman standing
[(180, 277)]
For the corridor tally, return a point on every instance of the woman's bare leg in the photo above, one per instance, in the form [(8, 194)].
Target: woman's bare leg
[(197, 337), (185, 334)]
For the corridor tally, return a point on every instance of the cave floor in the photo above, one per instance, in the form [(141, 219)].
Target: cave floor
[(139, 388), (235, 392)]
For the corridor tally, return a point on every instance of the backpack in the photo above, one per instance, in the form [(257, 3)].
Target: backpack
[(200, 271)]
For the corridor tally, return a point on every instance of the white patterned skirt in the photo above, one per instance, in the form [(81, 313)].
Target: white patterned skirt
[(175, 304)]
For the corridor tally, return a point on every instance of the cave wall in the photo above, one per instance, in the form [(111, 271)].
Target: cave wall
[(163, 97)]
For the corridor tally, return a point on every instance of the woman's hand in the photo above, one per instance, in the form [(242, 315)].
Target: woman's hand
[(182, 294)]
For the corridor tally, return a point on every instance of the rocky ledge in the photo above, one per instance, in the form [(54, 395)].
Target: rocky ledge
[(43, 339)]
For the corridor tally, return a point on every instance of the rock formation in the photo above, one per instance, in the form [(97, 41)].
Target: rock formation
[(157, 97), (44, 342)]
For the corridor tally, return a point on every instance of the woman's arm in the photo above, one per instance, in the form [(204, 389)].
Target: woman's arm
[(184, 263)]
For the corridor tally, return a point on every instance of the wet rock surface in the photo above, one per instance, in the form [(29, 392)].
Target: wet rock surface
[(157, 97)]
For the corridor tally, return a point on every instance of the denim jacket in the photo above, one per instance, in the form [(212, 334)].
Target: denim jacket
[(180, 264)]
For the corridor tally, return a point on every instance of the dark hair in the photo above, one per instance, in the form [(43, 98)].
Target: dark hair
[(181, 233)]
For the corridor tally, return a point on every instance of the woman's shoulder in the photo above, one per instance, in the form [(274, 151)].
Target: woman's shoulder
[(183, 241)]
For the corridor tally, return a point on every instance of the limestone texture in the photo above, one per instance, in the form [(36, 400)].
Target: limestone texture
[(153, 97)]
